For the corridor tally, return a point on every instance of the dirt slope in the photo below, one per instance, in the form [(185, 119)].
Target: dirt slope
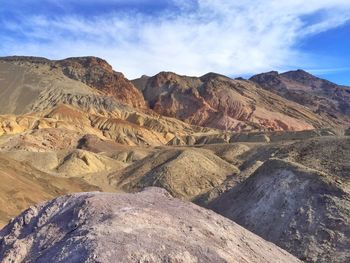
[(22, 186)]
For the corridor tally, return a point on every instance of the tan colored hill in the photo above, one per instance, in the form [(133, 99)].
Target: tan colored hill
[(144, 227), (220, 102), (325, 98), (185, 173), (80, 162), (28, 80), (32, 84), (22, 186)]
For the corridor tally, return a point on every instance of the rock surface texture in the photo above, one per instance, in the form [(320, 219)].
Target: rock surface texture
[(149, 226)]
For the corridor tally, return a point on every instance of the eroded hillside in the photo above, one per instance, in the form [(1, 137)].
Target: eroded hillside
[(255, 154)]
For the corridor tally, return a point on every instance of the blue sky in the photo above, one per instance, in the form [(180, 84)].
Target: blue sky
[(188, 37)]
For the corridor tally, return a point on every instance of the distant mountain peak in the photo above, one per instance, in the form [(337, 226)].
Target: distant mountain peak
[(320, 95), (298, 75), (211, 75)]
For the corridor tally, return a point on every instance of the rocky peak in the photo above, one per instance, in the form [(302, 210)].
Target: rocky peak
[(87, 62), (211, 75), (299, 75), (98, 74), (268, 80)]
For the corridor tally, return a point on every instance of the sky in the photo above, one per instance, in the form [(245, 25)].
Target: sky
[(192, 37)]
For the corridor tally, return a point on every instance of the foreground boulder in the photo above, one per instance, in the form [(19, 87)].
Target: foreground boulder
[(149, 226)]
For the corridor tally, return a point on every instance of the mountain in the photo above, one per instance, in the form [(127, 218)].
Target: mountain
[(146, 227), (97, 73), (29, 80), (219, 102), (322, 96), (273, 158), (31, 85)]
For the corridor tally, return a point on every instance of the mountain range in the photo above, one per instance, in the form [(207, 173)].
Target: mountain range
[(269, 153)]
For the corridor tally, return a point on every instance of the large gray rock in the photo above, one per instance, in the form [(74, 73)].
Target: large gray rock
[(149, 226)]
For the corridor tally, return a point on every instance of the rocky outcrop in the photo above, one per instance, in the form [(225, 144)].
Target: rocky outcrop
[(122, 126), (145, 227)]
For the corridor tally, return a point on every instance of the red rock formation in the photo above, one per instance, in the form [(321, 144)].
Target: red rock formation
[(97, 73), (219, 102)]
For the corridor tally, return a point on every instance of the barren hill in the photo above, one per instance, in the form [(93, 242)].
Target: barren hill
[(269, 153), (185, 173), (24, 78)]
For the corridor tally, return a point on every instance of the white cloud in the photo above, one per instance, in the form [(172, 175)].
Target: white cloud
[(229, 37)]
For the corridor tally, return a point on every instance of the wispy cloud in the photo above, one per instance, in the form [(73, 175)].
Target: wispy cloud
[(325, 71), (230, 37)]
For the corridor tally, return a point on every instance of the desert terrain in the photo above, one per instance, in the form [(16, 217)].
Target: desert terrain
[(172, 168)]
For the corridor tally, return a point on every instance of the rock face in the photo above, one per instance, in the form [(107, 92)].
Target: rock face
[(220, 102), (145, 227), (323, 97), (304, 211)]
